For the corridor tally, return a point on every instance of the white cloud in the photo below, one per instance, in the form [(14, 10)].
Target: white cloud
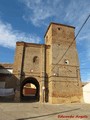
[(72, 12), (77, 11), (39, 10), (9, 36)]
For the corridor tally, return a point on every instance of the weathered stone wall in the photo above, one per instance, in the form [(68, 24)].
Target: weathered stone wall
[(63, 74), (29, 62), (17, 68)]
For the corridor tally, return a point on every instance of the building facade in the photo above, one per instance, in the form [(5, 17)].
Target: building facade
[(6, 72), (51, 67)]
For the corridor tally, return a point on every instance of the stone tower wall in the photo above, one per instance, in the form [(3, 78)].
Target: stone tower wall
[(63, 71)]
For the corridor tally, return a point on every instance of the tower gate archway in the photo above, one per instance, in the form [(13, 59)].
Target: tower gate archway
[(30, 89), (63, 83)]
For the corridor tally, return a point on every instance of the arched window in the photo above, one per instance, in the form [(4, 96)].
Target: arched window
[(36, 60)]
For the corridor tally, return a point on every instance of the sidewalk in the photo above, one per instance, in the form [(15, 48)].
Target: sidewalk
[(38, 111)]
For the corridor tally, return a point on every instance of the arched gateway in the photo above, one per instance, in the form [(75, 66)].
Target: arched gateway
[(29, 89)]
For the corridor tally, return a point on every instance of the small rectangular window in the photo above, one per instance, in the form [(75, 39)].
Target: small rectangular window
[(59, 28)]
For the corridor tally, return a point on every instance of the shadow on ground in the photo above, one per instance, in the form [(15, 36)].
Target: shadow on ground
[(48, 114)]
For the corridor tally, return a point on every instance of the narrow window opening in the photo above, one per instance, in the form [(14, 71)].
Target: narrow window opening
[(36, 59), (58, 44), (59, 28)]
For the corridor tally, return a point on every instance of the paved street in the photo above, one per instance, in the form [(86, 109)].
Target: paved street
[(38, 111)]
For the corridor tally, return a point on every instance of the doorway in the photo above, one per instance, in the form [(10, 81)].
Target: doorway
[(30, 90)]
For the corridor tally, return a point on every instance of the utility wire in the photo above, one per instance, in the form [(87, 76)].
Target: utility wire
[(72, 41)]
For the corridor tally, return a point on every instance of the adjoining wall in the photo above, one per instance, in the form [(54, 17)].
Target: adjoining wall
[(7, 83), (6, 75), (29, 62)]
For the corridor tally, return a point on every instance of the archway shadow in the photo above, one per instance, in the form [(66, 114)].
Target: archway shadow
[(30, 98)]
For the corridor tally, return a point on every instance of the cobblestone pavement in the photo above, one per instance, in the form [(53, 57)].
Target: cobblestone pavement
[(39, 111)]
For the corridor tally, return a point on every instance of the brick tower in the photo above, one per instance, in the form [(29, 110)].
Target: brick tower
[(62, 71)]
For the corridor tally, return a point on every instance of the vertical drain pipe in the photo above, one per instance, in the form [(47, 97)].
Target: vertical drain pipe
[(44, 72), (22, 69)]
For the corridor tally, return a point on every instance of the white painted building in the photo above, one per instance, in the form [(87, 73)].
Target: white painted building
[(6, 71), (6, 68), (86, 93)]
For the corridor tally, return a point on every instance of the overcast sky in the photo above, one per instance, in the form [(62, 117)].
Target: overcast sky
[(27, 20)]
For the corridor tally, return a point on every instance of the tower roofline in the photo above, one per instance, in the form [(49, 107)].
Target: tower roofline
[(27, 43), (57, 24)]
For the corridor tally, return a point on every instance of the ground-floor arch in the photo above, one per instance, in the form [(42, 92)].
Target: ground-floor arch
[(30, 89)]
